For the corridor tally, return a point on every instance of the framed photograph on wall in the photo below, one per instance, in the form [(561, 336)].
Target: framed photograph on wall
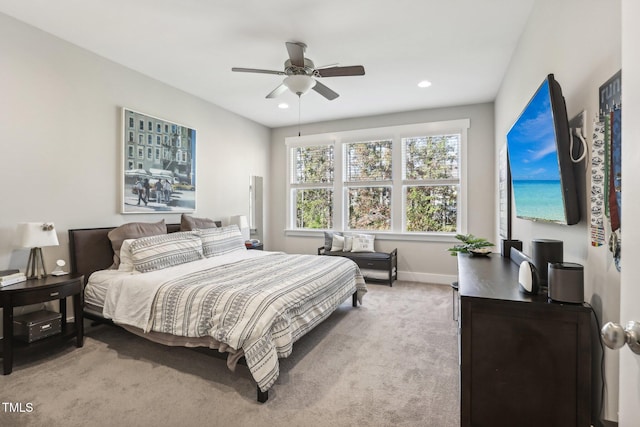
[(158, 165)]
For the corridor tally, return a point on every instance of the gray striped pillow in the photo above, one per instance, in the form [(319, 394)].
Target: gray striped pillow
[(222, 240), (157, 252)]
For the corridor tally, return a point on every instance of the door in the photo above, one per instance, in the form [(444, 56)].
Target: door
[(629, 403)]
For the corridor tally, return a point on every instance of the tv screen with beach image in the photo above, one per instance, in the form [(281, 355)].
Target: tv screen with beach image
[(533, 159)]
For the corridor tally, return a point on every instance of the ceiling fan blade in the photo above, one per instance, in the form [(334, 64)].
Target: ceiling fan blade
[(277, 91), (325, 91), (296, 53), (353, 70), (257, 70)]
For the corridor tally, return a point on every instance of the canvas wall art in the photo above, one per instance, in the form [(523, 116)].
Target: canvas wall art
[(159, 165)]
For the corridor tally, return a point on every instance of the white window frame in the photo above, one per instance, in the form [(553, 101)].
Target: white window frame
[(396, 134)]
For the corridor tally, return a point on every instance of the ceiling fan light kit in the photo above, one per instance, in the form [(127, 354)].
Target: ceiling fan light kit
[(302, 74), (299, 84)]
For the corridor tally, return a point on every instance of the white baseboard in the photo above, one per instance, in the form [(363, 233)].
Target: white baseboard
[(442, 279)]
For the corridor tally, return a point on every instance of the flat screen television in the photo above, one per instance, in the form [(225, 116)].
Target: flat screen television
[(538, 145)]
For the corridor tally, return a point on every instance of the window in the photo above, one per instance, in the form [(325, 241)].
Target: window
[(431, 182), (402, 180), (368, 184), (312, 186)]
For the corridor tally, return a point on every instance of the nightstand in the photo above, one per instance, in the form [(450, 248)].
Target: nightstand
[(34, 291)]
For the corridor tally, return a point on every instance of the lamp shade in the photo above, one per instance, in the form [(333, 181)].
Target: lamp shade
[(299, 84), (243, 224), (37, 234)]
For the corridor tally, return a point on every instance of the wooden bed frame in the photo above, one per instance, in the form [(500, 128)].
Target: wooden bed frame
[(90, 251)]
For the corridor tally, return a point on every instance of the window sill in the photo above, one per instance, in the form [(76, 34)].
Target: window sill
[(380, 235)]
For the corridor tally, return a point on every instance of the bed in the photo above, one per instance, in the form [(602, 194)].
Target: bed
[(195, 288)]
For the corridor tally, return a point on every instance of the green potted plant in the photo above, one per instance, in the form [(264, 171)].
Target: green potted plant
[(471, 245)]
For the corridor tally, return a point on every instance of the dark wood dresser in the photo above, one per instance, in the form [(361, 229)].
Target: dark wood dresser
[(525, 361)]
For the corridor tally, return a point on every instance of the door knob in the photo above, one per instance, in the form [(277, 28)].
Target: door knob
[(615, 336)]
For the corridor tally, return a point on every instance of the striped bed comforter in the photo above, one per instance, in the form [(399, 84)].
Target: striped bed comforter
[(260, 305)]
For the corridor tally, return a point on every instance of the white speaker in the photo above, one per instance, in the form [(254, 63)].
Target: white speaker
[(528, 278)]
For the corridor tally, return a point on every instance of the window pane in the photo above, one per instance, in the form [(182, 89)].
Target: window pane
[(431, 157), (432, 208), (314, 208), (369, 208), (368, 161), (312, 164)]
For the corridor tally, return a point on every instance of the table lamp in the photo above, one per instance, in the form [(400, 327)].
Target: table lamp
[(36, 235)]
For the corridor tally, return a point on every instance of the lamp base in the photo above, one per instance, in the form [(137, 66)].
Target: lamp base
[(35, 264)]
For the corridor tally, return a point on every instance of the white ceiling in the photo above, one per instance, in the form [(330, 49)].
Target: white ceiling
[(462, 46)]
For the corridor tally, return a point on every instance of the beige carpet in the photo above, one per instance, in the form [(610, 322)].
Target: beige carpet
[(392, 361)]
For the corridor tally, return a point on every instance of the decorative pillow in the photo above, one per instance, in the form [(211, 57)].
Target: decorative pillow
[(328, 239), (133, 230), (337, 244), (363, 243), (188, 223), (222, 240), (348, 243), (126, 261), (158, 252)]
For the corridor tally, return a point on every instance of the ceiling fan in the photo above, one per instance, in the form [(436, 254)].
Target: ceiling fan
[(302, 74)]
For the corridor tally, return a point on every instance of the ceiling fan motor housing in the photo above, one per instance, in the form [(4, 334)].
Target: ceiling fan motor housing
[(292, 70)]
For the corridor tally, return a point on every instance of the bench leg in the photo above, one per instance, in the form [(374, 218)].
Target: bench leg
[(263, 396), (354, 299)]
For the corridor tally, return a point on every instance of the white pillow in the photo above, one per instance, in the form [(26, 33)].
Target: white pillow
[(337, 243), (221, 240), (363, 243), (126, 260), (348, 243)]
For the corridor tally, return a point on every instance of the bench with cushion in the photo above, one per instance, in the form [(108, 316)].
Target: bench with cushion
[(375, 266)]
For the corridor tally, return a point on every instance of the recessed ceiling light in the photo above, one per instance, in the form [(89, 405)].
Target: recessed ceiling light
[(283, 105), (424, 83)]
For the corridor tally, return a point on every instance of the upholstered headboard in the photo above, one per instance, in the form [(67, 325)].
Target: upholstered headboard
[(90, 249)]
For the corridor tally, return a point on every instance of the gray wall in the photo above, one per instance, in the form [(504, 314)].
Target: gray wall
[(417, 260), (579, 42), (61, 140)]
